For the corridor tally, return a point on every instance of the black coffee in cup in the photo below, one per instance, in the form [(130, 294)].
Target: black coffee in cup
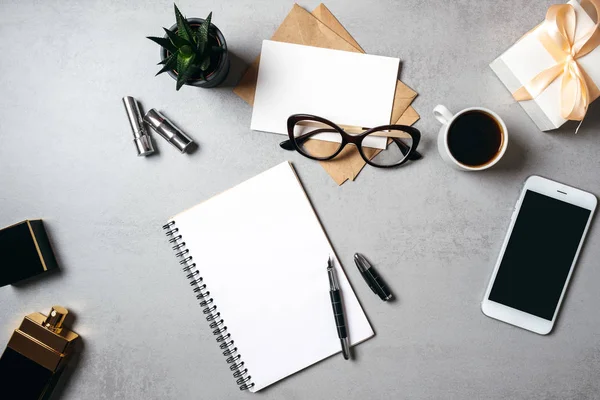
[(475, 138)]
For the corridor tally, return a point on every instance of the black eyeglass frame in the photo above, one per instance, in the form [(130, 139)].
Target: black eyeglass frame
[(357, 140)]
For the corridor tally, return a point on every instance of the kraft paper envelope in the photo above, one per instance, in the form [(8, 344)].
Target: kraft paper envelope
[(404, 95), (322, 29), (409, 117)]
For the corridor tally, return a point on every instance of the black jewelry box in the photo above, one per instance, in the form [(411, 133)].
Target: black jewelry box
[(25, 252)]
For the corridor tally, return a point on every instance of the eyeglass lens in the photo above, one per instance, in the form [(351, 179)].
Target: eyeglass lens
[(398, 147), (317, 139)]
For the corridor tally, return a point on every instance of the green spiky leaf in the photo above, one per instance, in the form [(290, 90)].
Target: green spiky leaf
[(170, 63), (175, 39), (186, 51), (180, 81), (183, 27), (201, 48), (191, 73), (163, 42), (205, 63), (202, 34), (183, 61), (185, 69)]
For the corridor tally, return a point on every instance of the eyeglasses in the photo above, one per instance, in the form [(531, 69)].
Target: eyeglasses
[(382, 147)]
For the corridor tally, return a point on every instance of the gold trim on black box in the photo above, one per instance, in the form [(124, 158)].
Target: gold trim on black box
[(37, 247)]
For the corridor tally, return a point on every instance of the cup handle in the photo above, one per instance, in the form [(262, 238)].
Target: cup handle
[(442, 114)]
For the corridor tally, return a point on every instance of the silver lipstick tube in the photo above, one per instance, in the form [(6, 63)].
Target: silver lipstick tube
[(141, 139), (168, 130)]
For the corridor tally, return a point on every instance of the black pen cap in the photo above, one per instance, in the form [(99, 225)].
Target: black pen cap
[(372, 278)]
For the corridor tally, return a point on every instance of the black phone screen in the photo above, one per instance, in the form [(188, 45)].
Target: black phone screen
[(539, 255)]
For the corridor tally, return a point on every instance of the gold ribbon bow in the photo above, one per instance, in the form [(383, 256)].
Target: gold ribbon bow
[(558, 37)]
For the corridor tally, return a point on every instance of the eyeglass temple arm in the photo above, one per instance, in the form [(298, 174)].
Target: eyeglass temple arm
[(288, 145)]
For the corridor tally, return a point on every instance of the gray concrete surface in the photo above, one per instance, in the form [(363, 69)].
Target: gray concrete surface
[(433, 232)]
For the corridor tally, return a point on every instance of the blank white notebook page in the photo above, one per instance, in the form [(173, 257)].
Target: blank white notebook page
[(346, 88), (263, 255)]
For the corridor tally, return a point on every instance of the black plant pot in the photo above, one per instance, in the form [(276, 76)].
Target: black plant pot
[(218, 72)]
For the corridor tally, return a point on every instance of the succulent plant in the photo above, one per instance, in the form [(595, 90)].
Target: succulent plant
[(189, 51)]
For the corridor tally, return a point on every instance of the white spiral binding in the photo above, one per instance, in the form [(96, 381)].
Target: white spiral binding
[(226, 343)]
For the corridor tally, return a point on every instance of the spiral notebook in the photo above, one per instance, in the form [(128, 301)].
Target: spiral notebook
[(256, 257)]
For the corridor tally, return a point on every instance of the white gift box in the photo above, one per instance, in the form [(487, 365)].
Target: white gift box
[(528, 57)]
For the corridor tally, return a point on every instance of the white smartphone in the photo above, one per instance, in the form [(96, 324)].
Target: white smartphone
[(539, 253)]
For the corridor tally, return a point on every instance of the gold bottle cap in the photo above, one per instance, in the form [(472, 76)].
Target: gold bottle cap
[(55, 318), (43, 339)]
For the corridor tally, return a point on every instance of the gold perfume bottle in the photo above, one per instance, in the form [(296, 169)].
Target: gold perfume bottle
[(36, 355)]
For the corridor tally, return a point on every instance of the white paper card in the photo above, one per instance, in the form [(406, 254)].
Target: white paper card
[(262, 253), (344, 87)]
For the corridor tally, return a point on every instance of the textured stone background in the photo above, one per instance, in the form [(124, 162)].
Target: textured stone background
[(433, 232)]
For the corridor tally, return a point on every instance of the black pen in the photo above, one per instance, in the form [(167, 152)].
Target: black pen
[(372, 277), (338, 309)]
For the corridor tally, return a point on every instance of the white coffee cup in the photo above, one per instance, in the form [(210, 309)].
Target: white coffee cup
[(446, 118)]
